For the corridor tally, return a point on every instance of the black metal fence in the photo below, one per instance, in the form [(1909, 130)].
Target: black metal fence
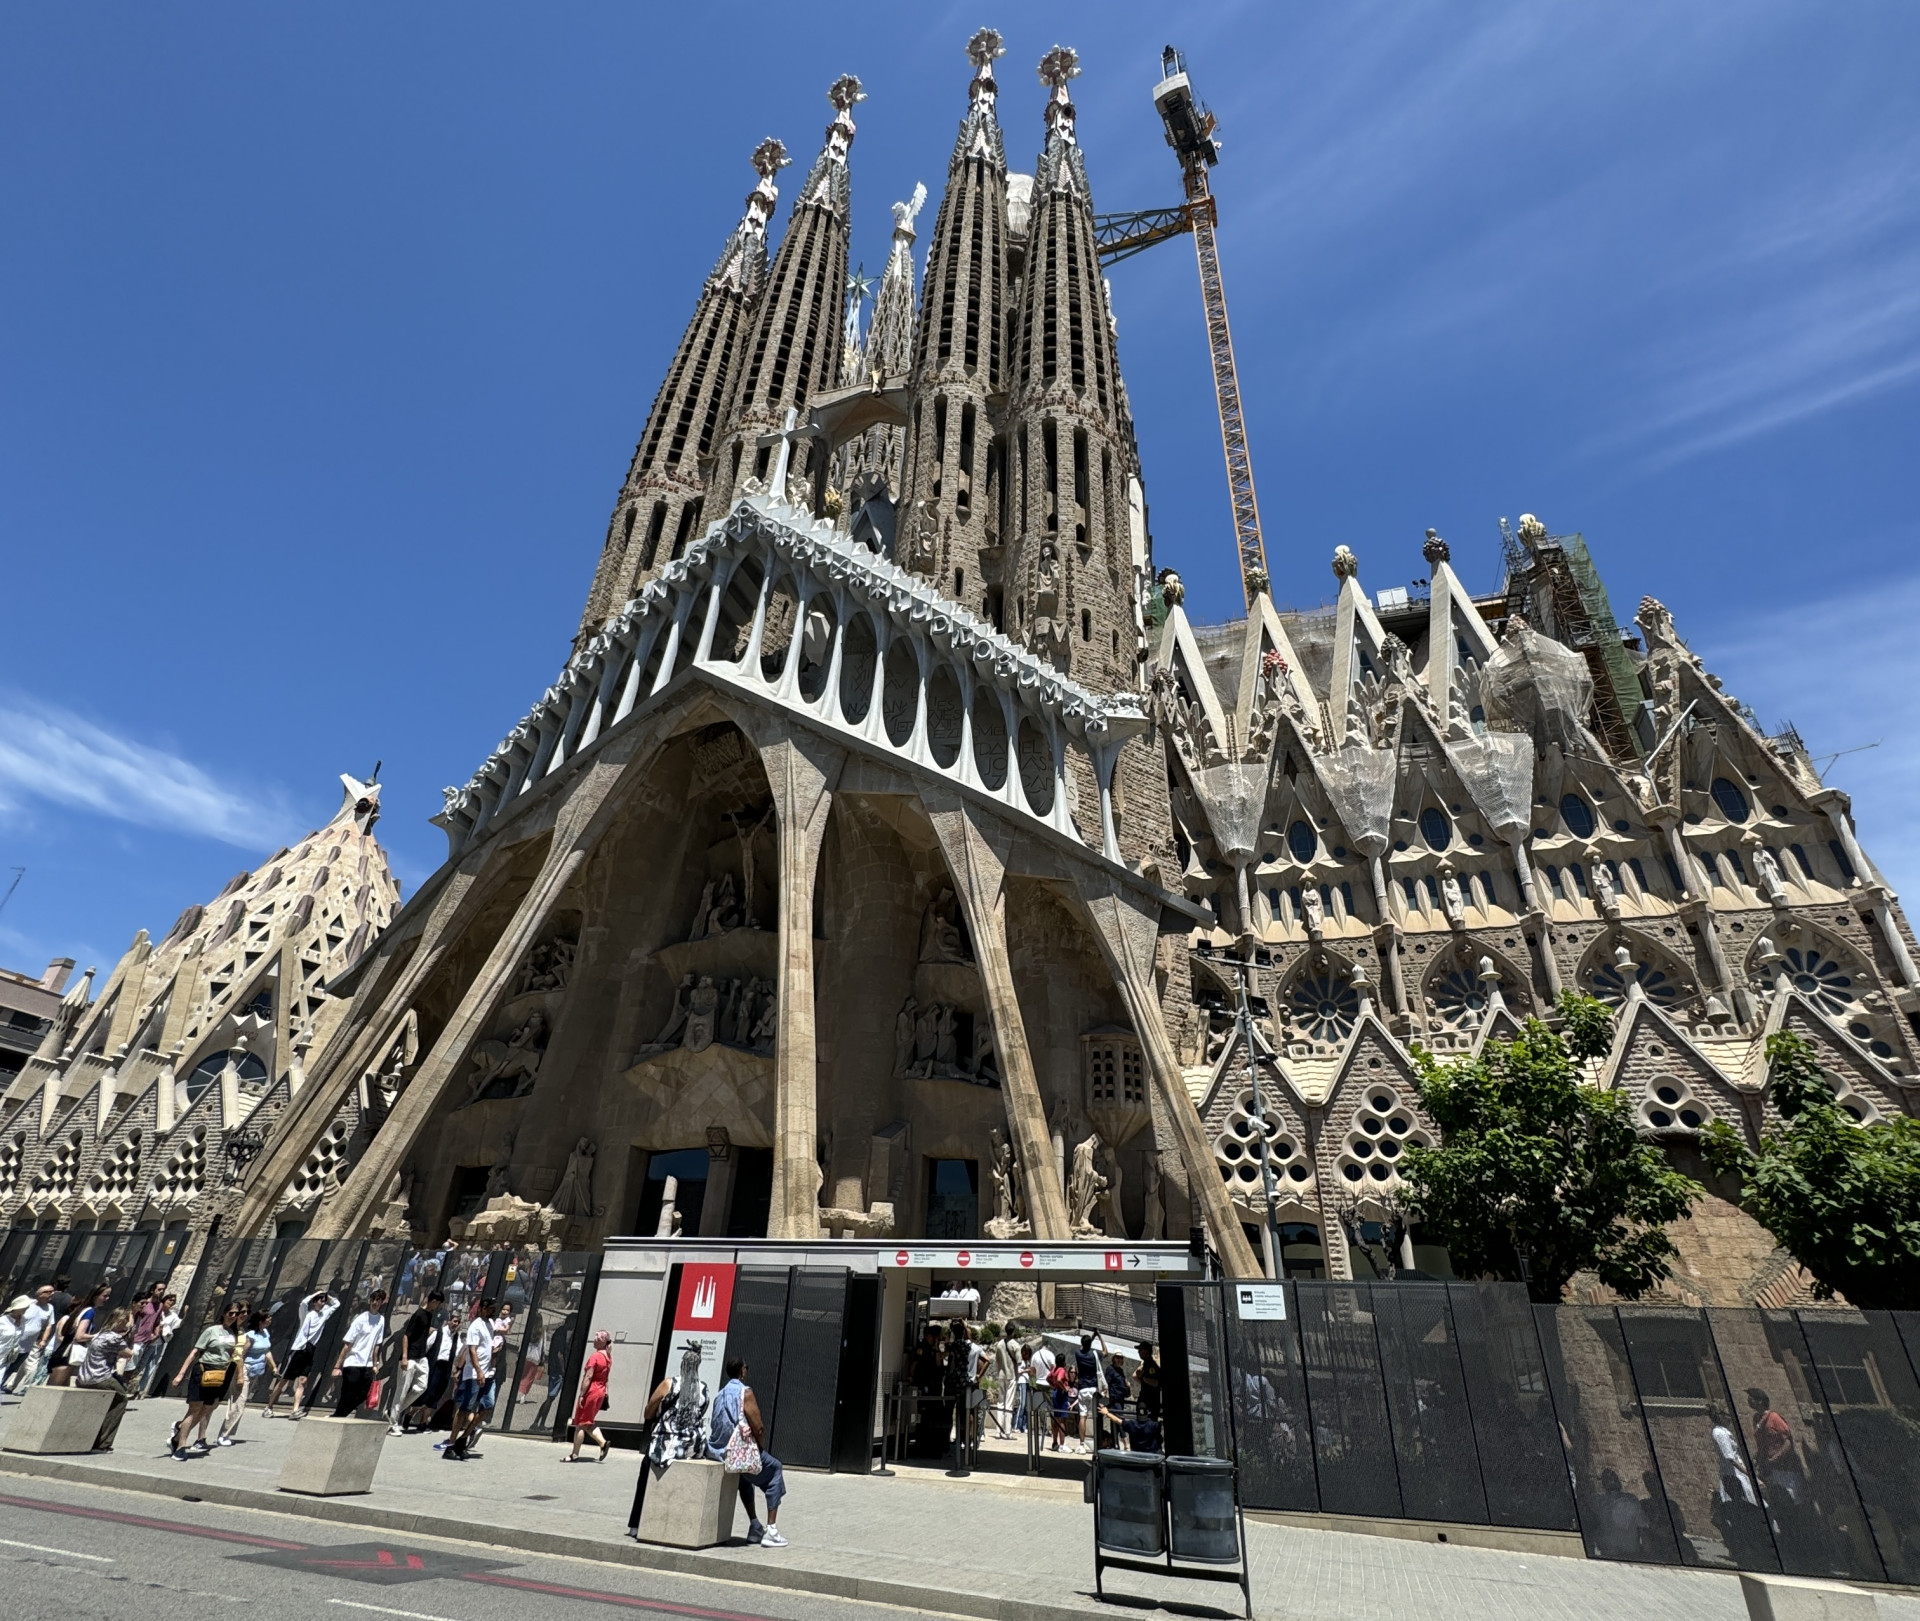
[(1762, 1440)]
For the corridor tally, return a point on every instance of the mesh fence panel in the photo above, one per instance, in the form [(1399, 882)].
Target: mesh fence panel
[(1621, 1503), (1874, 1397), (810, 1367), (1433, 1440), (1523, 1465), (1352, 1438), (1270, 1412), (1818, 1526), (1712, 1495)]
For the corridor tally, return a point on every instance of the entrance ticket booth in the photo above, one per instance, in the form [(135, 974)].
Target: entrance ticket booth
[(823, 1326)]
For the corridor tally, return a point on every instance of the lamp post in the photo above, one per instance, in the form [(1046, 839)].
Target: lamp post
[(1241, 969)]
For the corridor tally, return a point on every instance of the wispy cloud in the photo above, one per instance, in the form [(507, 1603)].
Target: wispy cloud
[(1846, 671), (56, 757)]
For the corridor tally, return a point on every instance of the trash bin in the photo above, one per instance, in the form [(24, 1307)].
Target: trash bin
[(1130, 1503), (1206, 1525)]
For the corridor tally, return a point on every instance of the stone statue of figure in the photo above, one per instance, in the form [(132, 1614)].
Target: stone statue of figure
[(746, 832), (702, 912), (1604, 894), (1084, 1188), (1003, 1196), (1112, 1222), (903, 1029), (1451, 901), (940, 936), (1153, 1218), (574, 1196), (926, 1039), (766, 1028), (678, 1017), (726, 911), (1769, 872), (703, 1007), (945, 1054), (986, 1063), (743, 1012), (1312, 911)]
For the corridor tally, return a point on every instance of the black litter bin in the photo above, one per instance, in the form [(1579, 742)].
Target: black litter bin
[(1130, 1503), (1206, 1523)]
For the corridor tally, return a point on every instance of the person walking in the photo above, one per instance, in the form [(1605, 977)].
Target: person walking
[(254, 1351), (10, 1330), (109, 1350), (36, 1331), (147, 1370), (208, 1373), (1086, 1383), (1039, 1381), (146, 1324), (473, 1383), (71, 1336), (593, 1396), (443, 1345), (411, 1380), (357, 1360), (734, 1406), (299, 1370), (1006, 1379)]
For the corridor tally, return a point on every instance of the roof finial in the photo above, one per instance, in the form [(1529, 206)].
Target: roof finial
[(1435, 551), (1058, 68), (983, 50)]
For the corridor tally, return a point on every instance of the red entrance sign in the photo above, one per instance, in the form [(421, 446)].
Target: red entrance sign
[(1115, 1260), (1026, 1257), (706, 1298)]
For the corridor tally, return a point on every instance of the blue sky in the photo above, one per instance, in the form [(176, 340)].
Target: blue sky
[(327, 333)]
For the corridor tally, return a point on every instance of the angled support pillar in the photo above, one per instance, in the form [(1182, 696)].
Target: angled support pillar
[(578, 828), (1127, 926), (803, 770), (977, 861)]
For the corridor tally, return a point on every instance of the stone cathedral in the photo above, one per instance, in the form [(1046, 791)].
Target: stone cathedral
[(887, 858)]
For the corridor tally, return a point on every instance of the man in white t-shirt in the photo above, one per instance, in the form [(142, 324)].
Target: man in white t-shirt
[(313, 1321), (1039, 1370), (360, 1354), (473, 1381)]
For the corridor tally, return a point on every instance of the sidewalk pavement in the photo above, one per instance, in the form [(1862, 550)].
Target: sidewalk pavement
[(998, 1547)]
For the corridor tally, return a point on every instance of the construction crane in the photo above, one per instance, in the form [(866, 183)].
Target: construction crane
[(1119, 236)]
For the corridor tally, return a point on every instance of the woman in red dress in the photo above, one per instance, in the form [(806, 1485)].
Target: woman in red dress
[(593, 1396)]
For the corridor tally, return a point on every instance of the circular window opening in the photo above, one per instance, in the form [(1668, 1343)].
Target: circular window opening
[(1303, 842), (1667, 1094), (1435, 828), (1381, 1101), (1731, 800), (1578, 815), (1660, 1117)]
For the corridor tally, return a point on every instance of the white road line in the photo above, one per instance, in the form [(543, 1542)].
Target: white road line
[(64, 1553), (381, 1609)]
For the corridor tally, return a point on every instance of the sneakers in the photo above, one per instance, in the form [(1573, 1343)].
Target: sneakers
[(755, 1532), (225, 1441), (773, 1538), (440, 1446)]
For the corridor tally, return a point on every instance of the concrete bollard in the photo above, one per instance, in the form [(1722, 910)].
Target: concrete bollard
[(690, 1506), (1799, 1598), (58, 1418), (332, 1457)]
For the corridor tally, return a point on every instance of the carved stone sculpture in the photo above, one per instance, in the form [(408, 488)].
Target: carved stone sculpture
[(702, 913), (703, 1009), (941, 939), (1312, 912), (904, 1024), (676, 1020), (1451, 901), (574, 1196), (1084, 1187)]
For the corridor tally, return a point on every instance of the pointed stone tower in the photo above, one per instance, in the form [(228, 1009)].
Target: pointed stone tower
[(870, 465), (792, 351), (659, 506), (949, 526), (1073, 540)]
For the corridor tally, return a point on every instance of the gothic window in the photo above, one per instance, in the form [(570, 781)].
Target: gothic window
[(1553, 878), (1435, 828), (1459, 999), (1800, 855), (1579, 875), (1639, 873), (206, 1073), (1036, 766), (1413, 895), (1237, 1149), (1115, 1072), (1820, 978), (1732, 802), (1302, 842), (1661, 985), (1673, 873), (1671, 1106), (1324, 1008), (1578, 815), (1739, 866), (1713, 868), (1840, 860)]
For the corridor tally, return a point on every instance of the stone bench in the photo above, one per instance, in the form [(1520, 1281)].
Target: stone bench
[(1797, 1598), (332, 1457), (58, 1418), (690, 1506)]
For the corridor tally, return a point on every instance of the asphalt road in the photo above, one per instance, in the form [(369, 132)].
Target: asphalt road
[(68, 1551)]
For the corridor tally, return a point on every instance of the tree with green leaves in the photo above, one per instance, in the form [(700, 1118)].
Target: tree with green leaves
[(1536, 1167), (1842, 1198)]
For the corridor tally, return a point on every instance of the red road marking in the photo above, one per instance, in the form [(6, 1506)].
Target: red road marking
[(385, 1561), (558, 1590), (152, 1525)]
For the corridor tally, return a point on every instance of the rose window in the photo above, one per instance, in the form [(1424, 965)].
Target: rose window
[(1382, 1130), (1237, 1148), (1461, 998), (1671, 1106), (1325, 1008), (1660, 987), (1821, 980)]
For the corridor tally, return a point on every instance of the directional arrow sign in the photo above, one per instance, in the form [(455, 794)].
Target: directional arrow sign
[(384, 1564)]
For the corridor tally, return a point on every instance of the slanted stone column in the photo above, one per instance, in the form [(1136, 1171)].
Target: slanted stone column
[(1126, 925), (980, 877), (577, 829), (803, 771)]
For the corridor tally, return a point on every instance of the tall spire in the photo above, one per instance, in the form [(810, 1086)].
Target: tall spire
[(659, 505), (1075, 552), (792, 351), (869, 465), (952, 462)]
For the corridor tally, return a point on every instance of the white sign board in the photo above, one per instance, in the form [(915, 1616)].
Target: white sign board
[(960, 1258), (1260, 1302)]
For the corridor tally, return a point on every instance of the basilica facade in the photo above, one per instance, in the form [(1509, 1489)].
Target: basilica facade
[(891, 853)]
